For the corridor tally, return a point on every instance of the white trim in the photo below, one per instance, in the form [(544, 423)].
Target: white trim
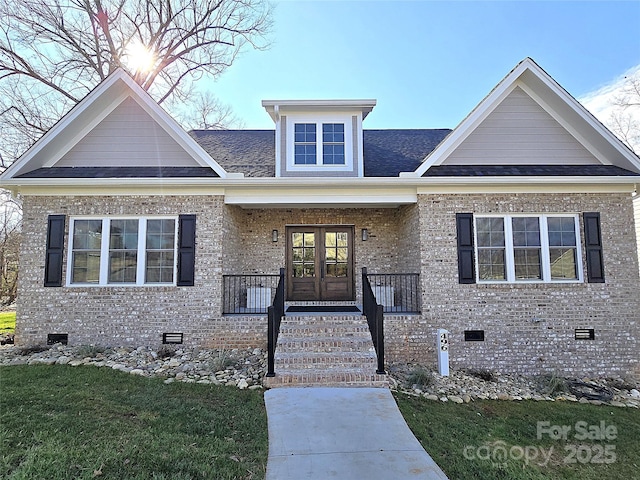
[(582, 126), (545, 270), (104, 251), (276, 108), (319, 120)]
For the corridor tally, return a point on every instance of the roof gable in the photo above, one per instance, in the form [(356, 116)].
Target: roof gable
[(571, 130), (96, 133)]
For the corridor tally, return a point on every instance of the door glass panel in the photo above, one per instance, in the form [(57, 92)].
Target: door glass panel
[(304, 254), (342, 239), (330, 239), (336, 254)]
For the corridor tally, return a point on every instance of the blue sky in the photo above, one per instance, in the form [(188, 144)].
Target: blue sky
[(428, 63)]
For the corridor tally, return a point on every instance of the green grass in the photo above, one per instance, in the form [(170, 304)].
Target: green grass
[(60, 422), (461, 437), (7, 322)]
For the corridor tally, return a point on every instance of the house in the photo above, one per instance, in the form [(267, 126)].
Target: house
[(514, 232)]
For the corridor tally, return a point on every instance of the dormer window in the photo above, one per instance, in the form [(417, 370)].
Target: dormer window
[(305, 144), (333, 143), (308, 150), (319, 137)]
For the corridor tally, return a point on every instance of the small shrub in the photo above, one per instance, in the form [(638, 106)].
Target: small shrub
[(29, 349), (166, 351), (420, 377), (552, 384), (486, 375), (222, 361), (90, 351)]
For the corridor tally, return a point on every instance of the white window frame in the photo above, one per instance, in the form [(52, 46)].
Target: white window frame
[(104, 251), (544, 248), (319, 120)]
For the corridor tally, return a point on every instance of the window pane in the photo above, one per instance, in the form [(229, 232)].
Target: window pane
[(527, 264), (333, 144), (296, 239), (85, 258), (309, 254), (491, 265), (563, 263), (123, 250), (491, 251), (86, 267), (490, 232), (343, 239), (123, 266), (160, 250), (309, 239), (526, 232), (561, 231), (330, 239)]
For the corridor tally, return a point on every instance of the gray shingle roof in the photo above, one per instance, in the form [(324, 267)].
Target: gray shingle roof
[(251, 152), (526, 170), (389, 152), (119, 172), (386, 152)]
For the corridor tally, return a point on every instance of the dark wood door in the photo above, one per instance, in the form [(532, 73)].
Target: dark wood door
[(320, 263)]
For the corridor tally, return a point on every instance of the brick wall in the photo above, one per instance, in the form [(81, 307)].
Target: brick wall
[(130, 315), (528, 328)]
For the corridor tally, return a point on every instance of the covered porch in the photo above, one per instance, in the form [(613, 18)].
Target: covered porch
[(322, 252)]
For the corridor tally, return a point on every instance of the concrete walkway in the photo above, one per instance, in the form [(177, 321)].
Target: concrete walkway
[(342, 433)]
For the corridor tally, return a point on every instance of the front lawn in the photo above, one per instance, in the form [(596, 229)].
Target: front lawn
[(60, 422), (499, 439), (7, 322)]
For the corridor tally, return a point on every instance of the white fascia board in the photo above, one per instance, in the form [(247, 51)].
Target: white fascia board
[(90, 111), (489, 185), (319, 191), (303, 197), (275, 108)]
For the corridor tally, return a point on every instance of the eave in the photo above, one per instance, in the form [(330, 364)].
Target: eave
[(314, 192)]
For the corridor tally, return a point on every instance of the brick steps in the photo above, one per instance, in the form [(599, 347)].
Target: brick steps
[(325, 350)]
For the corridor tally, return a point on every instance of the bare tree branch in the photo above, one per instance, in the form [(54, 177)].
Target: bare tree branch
[(53, 52)]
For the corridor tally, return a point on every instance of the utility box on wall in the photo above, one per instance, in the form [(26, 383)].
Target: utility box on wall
[(442, 347)]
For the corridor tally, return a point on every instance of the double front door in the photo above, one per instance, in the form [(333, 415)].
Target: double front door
[(320, 263)]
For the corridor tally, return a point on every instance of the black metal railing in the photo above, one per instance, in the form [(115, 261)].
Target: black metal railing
[(375, 318), (248, 293), (276, 312), (397, 292)]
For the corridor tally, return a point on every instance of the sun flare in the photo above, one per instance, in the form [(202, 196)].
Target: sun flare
[(139, 58)]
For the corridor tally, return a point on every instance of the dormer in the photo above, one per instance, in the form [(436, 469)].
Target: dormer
[(319, 138)]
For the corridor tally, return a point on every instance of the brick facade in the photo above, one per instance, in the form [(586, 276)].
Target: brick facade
[(129, 315), (528, 328)]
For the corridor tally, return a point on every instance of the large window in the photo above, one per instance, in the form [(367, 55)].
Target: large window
[(528, 248), (310, 149), (122, 251)]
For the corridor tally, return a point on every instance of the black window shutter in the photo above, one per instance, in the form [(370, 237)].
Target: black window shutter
[(466, 264), (55, 249), (186, 250), (593, 246)]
